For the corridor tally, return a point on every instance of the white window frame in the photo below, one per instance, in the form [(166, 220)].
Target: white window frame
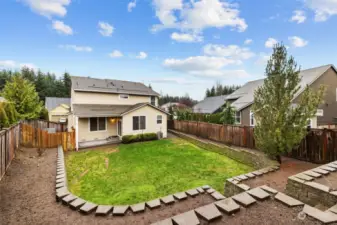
[(106, 125), (126, 95), (161, 119), (251, 114), (236, 116)]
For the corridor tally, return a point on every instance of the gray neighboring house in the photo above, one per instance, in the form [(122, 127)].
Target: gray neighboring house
[(58, 108), (210, 105), (243, 98)]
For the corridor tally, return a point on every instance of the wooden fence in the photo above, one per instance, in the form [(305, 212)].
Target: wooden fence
[(43, 124), (319, 146)]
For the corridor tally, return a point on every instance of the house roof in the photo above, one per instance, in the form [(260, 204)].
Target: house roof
[(210, 104), (52, 102), (110, 86), (244, 96), (95, 110)]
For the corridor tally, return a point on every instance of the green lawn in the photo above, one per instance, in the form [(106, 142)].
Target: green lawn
[(144, 171)]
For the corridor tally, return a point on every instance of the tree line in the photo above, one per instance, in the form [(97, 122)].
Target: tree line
[(219, 89), (186, 100)]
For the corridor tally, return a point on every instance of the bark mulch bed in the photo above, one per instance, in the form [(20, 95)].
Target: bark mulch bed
[(278, 179)]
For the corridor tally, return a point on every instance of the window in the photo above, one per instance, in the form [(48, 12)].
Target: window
[(153, 100), (238, 117), (251, 119), (123, 96), (97, 124), (159, 119), (139, 123)]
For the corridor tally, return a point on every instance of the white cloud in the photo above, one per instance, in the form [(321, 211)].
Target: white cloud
[(116, 54), (270, 43), (7, 64), (186, 37), (298, 16), (231, 51), (298, 42), (142, 55), (323, 8), (77, 48), (248, 41), (262, 59), (132, 5), (48, 8), (105, 29), (198, 15), (29, 66), (62, 28)]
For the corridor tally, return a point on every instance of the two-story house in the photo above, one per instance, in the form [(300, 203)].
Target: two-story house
[(104, 110), (243, 98)]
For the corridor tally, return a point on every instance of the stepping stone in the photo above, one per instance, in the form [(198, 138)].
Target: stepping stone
[(60, 185), (205, 187), (210, 191), (318, 186), (312, 174), (69, 198), (250, 175), (244, 187), (61, 180), (60, 176), (61, 189), (333, 209), (304, 177), (77, 203), (192, 192), (120, 210), (153, 203), (88, 207), (242, 177), (200, 190), (257, 173), (289, 201), (227, 205), (61, 194), (217, 196), (168, 199), (296, 179), (137, 208), (208, 212), (321, 171), (269, 189), (103, 210), (332, 165), (324, 217), (258, 193), (244, 199), (187, 218), (180, 195), (164, 222), (265, 170), (331, 169)]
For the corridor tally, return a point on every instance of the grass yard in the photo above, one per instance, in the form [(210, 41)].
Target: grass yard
[(133, 173)]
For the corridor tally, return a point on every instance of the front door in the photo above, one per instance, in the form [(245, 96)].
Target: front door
[(119, 128)]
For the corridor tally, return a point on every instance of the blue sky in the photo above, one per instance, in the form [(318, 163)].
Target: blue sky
[(179, 46)]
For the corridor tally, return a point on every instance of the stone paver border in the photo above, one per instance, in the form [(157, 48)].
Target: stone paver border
[(74, 202)]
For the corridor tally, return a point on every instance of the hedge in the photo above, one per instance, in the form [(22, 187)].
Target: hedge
[(126, 139)]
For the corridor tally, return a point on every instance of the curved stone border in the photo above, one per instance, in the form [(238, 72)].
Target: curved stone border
[(303, 186), (76, 203), (234, 186)]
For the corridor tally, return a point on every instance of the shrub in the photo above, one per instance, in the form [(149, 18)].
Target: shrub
[(126, 139)]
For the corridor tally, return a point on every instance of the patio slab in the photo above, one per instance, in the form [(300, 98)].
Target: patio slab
[(77, 203), (287, 200), (324, 217), (258, 193), (321, 171), (210, 191), (137, 208), (269, 189), (103, 210), (244, 199), (200, 190), (153, 203), (69, 198), (208, 212), (88, 207), (168, 199), (164, 222), (217, 196), (227, 205), (180, 196), (187, 218), (192, 192), (304, 177), (119, 210), (312, 174)]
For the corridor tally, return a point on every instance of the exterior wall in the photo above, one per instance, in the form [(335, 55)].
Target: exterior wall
[(151, 121), (329, 79), (57, 113), (84, 134), (71, 121), (78, 97), (245, 116)]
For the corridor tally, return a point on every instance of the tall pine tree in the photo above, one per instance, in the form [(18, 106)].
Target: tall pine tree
[(280, 124)]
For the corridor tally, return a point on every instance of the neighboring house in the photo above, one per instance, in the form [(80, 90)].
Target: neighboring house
[(210, 105), (102, 110), (174, 105), (58, 109), (243, 98)]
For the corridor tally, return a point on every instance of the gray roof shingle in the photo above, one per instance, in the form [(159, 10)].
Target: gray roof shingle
[(210, 104), (110, 86), (245, 94), (52, 102)]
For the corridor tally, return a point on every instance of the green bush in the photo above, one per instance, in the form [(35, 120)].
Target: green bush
[(126, 139)]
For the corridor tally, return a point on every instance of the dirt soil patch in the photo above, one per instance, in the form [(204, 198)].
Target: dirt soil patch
[(278, 179), (27, 196), (329, 180)]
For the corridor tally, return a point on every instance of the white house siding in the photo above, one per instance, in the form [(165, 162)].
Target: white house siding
[(151, 121)]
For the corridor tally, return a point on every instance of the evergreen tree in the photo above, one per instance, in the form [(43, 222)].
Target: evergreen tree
[(228, 115), (208, 93), (67, 84), (281, 125), (212, 92), (23, 95)]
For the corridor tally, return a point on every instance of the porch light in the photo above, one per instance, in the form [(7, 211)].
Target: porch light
[(112, 120)]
